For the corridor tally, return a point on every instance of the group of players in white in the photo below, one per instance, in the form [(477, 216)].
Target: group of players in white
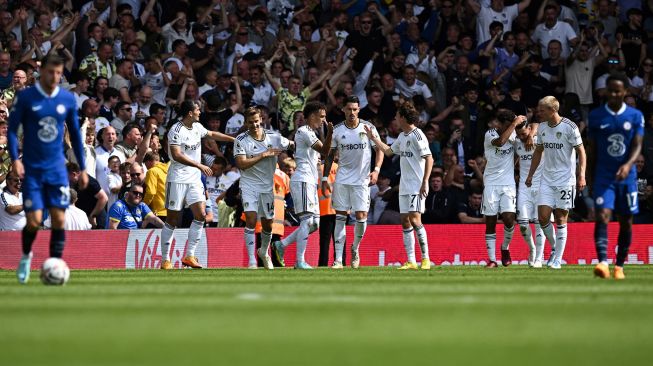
[(547, 181)]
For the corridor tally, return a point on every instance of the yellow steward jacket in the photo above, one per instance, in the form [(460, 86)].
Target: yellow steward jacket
[(155, 188)]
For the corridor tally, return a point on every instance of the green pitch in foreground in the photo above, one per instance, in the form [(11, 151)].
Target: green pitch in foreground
[(373, 316)]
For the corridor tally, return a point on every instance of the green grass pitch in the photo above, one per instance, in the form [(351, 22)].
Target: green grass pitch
[(372, 316)]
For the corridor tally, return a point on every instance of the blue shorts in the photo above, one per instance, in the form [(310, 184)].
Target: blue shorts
[(45, 189), (619, 197)]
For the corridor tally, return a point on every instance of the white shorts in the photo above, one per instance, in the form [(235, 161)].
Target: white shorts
[(347, 197), (261, 203), (498, 199), (181, 195), (527, 203), (411, 203), (561, 197), (304, 197)]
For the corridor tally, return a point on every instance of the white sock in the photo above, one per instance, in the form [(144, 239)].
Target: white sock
[(302, 238), (250, 243), (561, 241), (166, 237), (549, 234), (539, 242), (507, 237), (527, 234), (491, 245), (340, 235), (423, 241), (359, 231), (194, 236), (266, 238), (409, 244)]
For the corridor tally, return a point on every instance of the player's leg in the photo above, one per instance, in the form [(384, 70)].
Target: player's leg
[(417, 207), (360, 198), (57, 234), (604, 202), (507, 207), (250, 238), (32, 225), (341, 203), (174, 204), (525, 208), (628, 206), (408, 237), (266, 214), (561, 216), (298, 192), (195, 234), (490, 209), (545, 202)]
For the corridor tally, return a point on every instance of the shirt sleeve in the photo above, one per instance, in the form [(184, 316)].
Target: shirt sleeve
[(16, 116), (639, 125), (284, 142), (145, 210), (540, 139), (174, 137), (203, 130), (422, 145), (3, 201), (311, 137), (239, 148), (574, 137), (116, 211), (426, 92), (396, 147)]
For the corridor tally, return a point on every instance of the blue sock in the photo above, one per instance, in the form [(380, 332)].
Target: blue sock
[(601, 240), (28, 239), (57, 240), (625, 237)]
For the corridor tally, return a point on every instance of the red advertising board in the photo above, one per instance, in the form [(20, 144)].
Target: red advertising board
[(381, 246)]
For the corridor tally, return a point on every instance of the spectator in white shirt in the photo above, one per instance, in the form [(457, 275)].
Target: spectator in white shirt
[(409, 86), (76, 219), (497, 11), (12, 215), (552, 29)]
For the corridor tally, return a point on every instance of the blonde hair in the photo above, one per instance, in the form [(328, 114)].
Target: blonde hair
[(550, 102), (289, 163), (251, 112)]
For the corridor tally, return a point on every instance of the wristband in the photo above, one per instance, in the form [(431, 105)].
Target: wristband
[(377, 169), (324, 179)]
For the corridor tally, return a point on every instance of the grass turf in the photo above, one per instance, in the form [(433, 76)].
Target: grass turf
[(452, 315)]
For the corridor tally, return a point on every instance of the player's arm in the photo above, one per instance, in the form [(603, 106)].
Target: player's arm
[(635, 150), (427, 174), (328, 162), (465, 219), (218, 136), (530, 141), (505, 136), (374, 175), (243, 162), (180, 157), (537, 156), (324, 147), (380, 145), (151, 218), (582, 164)]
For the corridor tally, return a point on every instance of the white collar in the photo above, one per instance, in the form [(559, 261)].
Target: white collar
[(620, 111), (55, 92)]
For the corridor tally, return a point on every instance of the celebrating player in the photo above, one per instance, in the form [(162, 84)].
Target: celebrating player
[(303, 183), (416, 163), (527, 197), (499, 194), (42, 111), (557, 138), (616, 131), (256, 153), (351, 189), (184, 186)]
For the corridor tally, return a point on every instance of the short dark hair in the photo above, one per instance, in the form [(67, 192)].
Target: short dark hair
[(374, 89), (177, 42), (313, 107), (155, 108), (496, 24), (72, 167), (408, 111), (620, 78), (219, 160), (505, 116), (51, 59), (128, 128), (110, 93), (352, 99), (120, 105), (186, 107)]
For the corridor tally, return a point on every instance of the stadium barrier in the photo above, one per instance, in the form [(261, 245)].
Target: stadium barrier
[(381, 246)]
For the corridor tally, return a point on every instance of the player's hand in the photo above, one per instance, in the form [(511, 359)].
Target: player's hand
[(530, 143), (374, 176), (623, 172), (581, 183), (271, 152), (205, 170), (529, 181), (369, 132), (326, 188), (82, 183), (329, 127), (18, 167), (424, 189)]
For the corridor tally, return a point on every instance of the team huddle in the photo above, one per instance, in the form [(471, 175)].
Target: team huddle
[(547, 154)]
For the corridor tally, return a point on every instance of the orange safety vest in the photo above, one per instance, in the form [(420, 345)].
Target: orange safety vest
[(281, 189), (325, 201)]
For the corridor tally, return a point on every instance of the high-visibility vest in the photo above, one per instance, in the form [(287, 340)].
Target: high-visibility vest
[(325, 200), (281, 189)]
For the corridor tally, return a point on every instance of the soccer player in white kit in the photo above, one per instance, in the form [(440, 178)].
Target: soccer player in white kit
[(351, 189), (184, 186), (499, 194), (559, 140), (527, 197), (416, 163), (256, 153), (303, 183)]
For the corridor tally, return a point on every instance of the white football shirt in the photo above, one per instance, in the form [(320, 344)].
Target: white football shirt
[(559, 157), (259, 178), (305, 156), (500, 168), (190, 142), (525, 160), (7, 221), (355, 154), (412, 147)]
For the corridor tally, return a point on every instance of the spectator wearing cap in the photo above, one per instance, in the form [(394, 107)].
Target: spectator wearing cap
[(131, 213), (18, 83), (496, 11), (123, 113), (99, 63), (155, 186), (551, 28), (634, 39)]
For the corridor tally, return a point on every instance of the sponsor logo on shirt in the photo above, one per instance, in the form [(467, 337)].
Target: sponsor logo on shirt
[(553, 145)]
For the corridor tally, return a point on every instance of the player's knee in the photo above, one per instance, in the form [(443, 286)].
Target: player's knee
[(32, 225), (523, 228), (314, 224)]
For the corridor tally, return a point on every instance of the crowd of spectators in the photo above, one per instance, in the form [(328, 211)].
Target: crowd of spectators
[(130, 63)]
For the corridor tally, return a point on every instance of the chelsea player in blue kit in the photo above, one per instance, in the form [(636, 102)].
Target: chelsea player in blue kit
[(616, 132), (42, 110)]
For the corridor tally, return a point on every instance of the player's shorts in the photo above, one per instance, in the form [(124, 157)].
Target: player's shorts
[(45, 189), (348, 197), (304, 197), (181, 195), (621, 198), (499, 199), (527, 203), (557, 197), (261, 203), (411, 203)]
